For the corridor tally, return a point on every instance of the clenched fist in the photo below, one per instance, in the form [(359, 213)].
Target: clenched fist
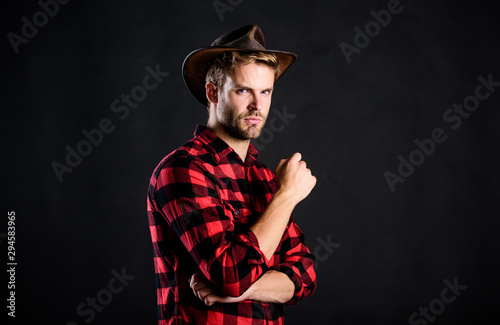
[(294, 178)]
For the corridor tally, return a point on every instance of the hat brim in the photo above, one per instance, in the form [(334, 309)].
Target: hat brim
[(195, 67)]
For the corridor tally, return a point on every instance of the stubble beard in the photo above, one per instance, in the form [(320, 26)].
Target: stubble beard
[(237, 128)]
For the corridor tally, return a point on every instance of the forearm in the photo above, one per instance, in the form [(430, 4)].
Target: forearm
[(272, 287), (269, 228), (294, 182)]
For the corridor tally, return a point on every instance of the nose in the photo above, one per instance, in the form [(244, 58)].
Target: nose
[(257, 103)]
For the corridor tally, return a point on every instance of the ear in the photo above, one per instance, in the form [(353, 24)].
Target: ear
[(211, 92)]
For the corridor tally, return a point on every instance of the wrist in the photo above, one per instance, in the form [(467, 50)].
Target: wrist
[(247, 295), (286, 197)]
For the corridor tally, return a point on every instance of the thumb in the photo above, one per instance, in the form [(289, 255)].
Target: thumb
[(296, 157), (280, 165)]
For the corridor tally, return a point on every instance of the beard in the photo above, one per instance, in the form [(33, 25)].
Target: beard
[(237, 128)]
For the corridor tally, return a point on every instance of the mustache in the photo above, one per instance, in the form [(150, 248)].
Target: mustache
[(253, 115)]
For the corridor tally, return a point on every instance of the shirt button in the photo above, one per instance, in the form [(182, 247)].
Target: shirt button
[(237, 212)]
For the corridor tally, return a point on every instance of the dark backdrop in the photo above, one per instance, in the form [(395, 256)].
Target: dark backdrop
[(383, 253)]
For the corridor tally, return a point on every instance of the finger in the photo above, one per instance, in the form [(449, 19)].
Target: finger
[(195, 291), (193, 279), (192, 282), (199, 285), (280, 164), (296, 157), (212, 298), (314, 180), (196, 286), (197, 277), (204, 292)]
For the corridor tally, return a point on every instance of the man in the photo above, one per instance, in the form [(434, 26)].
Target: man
[(226, 248)]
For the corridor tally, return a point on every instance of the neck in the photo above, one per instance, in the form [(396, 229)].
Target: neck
[(238, 145)]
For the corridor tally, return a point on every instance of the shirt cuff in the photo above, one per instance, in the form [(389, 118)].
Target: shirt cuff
[(256, 256), (295, 278)]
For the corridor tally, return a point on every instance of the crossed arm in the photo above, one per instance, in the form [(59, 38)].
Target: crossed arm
[(272, 287), (295, 183)]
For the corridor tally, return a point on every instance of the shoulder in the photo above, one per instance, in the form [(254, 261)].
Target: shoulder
[(192, 155)]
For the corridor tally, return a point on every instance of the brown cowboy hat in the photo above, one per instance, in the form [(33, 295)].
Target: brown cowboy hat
[(248, 38)]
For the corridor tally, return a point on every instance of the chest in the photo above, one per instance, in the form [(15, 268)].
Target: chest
[(245, 191)]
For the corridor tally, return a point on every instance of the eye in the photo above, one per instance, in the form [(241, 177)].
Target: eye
[(241, 91), (266, 92)]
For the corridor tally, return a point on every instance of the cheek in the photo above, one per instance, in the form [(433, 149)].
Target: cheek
[(227, 115), (268, 102), (236, 100), (267, 106)]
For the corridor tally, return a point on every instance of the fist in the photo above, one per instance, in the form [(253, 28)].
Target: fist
[(294, 178)]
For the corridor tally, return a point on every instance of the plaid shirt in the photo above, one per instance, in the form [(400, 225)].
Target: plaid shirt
[(202, 199)]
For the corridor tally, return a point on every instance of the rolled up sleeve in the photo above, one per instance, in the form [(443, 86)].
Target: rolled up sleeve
[(296, 261)]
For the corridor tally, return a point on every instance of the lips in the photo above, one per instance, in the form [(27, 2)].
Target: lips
[(253, 120)]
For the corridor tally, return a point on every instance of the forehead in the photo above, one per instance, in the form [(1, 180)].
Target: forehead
[(252, 75)]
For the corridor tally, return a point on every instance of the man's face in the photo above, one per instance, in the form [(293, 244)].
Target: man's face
[(244, 100)]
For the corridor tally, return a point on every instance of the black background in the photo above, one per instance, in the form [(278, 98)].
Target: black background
[(394, 250)]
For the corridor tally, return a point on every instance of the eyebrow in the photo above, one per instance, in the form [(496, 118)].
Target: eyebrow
[(238, 86)]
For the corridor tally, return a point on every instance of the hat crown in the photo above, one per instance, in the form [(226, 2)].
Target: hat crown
[(247, 37)]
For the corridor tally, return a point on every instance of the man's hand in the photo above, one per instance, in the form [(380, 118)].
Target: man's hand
[(203, 289), (272, 287), (294, 178)]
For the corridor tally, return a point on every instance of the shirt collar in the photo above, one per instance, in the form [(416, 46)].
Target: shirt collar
[(220, 148)]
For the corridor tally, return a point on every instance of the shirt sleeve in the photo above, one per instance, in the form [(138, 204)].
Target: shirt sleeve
[(187, 196), (296, 261)]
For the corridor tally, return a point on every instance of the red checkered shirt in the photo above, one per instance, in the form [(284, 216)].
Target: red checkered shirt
[(202, 200)]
